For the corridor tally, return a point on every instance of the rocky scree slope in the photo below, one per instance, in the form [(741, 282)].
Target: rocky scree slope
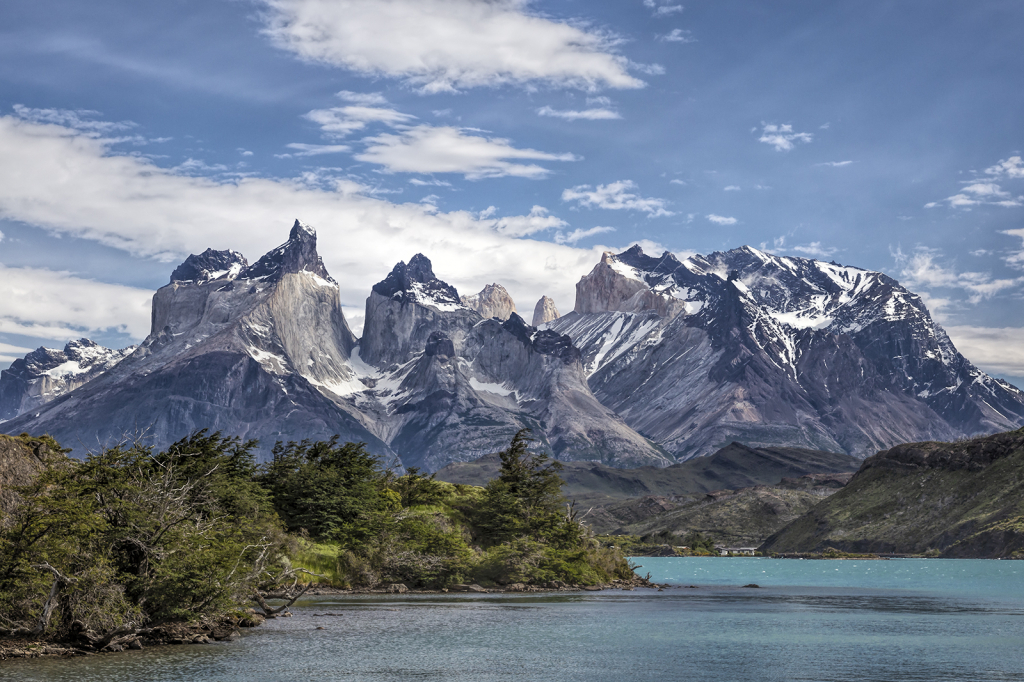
[(48, 373), (767, 350), (962, 499), (258, 351)]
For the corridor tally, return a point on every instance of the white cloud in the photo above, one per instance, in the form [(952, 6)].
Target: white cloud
[(663, 8), (599, 101), (585, 114), (71, 184), (341, 121), (365, 98), (10, 352), (314, 149), (445, 149), (677, 181), (78, 119), (732, 188), (617, 196), (814, 250), (445, 45), (721, 219), (994, 349), (429, 183), (980, 194), (922, 269), (580, 233), (985, 192), (538, 220), (1016, 258), (834, 164), (782, 136), (678, 35), (47, 304), (1012, 167)]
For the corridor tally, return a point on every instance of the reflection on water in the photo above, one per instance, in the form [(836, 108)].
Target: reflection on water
[(912, 623)]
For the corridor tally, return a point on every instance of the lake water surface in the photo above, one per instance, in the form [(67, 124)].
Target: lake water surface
[(903, 619)]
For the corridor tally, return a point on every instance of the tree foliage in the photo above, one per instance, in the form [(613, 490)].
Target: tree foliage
[(129, 537)]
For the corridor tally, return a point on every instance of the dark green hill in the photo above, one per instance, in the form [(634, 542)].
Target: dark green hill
[(963, 499), (734, 466)]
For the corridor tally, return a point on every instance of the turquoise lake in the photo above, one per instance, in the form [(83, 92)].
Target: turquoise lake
[(903, 619)]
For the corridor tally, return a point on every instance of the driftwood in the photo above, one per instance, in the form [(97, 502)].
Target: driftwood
[(59, 582), (268, 611)]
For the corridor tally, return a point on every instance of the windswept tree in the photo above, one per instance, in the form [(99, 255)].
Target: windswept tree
[(525, 500)]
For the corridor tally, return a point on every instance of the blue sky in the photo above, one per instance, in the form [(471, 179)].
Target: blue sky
[(509, 141)]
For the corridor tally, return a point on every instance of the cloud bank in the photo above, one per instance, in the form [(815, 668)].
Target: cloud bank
[(70, 183)]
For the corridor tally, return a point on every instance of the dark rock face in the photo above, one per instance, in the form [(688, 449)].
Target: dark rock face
[(775, 351), (46, 373), (209, 265), (416, 282), (298, 254), (439, 344)]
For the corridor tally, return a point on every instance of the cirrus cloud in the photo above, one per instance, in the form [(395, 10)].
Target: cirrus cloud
[(446, 149), (585, 114)]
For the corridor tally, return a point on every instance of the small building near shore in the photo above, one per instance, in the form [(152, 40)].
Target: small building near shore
[(747, 551)]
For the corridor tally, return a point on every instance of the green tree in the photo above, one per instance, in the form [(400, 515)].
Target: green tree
[(334, 492), (525, 500)]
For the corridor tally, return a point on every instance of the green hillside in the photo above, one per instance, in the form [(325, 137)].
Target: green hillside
[(962, 499)]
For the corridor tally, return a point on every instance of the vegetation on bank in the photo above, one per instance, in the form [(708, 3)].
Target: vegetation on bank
[(132, 538), (662, 543)]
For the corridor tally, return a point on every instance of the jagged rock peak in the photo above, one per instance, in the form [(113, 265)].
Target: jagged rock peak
[(544, 311), (416, 282), (492, 301), (298, 254), (632, 282), (543, 341), (210, 265), (47, 373)]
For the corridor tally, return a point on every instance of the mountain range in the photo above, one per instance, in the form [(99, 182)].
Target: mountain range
[(661, 360)]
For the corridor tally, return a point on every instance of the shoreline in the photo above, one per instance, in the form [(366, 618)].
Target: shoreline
[(228, 628)]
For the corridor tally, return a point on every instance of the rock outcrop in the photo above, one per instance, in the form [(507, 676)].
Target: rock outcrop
[(47, 373), (492, 301), (747, 346), (451, 385), (545, 311), (258, 351)]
